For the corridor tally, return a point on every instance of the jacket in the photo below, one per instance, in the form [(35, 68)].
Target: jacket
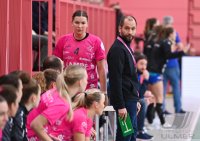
[(123, 80)]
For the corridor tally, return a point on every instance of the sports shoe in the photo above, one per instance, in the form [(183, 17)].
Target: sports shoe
[(167, 125), (167, 112), (144, 136), (181, 112)]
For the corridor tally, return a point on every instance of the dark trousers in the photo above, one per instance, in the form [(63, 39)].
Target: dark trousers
[(131, 107), (141, 115), (42, 42)]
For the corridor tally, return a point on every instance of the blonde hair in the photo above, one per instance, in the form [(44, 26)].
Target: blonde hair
[(87, 98), (70, 76)]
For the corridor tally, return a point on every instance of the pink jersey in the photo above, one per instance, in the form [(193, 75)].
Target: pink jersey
[(52, 107), (85, 52), (0, 134), (30, 133), (81, 123)]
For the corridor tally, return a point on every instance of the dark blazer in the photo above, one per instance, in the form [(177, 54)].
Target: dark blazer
[(123, 79)]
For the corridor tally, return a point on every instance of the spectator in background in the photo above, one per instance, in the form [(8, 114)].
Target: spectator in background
[(40, 48), (40, 32), (143, 76), (84, 49), (119, 14), (172, 72), (40, 17)]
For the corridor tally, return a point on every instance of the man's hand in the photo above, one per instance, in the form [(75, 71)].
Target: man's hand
[(138, 107), (122, 113), (145, 75), (186, 48)]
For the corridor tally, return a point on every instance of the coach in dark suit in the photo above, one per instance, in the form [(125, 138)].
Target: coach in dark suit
[(123, 79)]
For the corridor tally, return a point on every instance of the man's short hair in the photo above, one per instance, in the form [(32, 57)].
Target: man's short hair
[(121, 23), (52, 62), (167, 20)]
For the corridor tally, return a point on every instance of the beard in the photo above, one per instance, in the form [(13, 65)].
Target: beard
[(127, 38)]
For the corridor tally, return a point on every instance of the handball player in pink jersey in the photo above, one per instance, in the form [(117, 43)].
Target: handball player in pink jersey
[(86, 106), (85, 49), (47, 125)]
